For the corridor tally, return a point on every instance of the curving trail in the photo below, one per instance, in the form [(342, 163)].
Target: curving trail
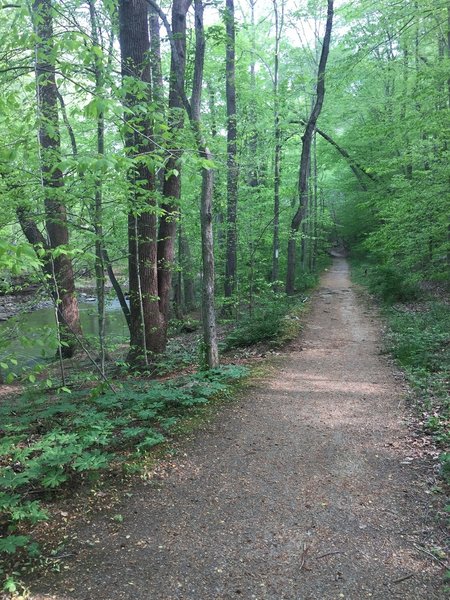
[(299, 492)]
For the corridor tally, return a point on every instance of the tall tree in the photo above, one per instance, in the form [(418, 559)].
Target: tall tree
[(145, 315), (305, 159), (193, 109), (206, 212), (58, 261), (172, 179), (97, 208), (232, 164), (279, 22)]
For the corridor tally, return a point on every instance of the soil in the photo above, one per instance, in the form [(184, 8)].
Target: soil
[(304, 489)]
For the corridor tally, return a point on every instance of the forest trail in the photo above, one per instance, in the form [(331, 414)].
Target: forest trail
[(301, 491)]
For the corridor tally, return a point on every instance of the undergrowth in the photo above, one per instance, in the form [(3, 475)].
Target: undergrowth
[(386, 282), (420, 342), (419, 339), (274, 322), (51, 442)]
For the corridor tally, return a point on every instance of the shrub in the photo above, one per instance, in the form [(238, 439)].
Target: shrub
[(391, 285), (268, 323)]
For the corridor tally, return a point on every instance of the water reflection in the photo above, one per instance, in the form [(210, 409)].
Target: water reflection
[(31, 337)]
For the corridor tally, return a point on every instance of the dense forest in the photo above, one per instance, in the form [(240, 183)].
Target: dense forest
[(207, 155), (196, 165)]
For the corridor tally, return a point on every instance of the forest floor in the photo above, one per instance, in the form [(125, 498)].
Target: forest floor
[(309, 487)]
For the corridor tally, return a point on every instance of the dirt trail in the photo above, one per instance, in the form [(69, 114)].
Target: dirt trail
[(298, 492)]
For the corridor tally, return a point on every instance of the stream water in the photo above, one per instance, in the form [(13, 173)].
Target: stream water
[(30, 338)]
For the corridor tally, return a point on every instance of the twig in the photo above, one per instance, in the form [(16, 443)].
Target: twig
[(431, 555), (64, 555), (403, 578), (329, 554), (303, 559)]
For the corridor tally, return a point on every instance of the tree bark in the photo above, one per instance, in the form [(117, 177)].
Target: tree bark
[(98, 194), (172, 178), (314, 227), (218, 211), (147, 328), (155, 59), (206, 215), (253, 174), (187, 273), (156, 75), (233, 171), (62, 277), (193, 110), (306, 153), (208, 311)]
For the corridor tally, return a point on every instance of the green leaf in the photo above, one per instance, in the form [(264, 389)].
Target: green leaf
[(53, 478), (10, 543), (91, 461), (150, 441)]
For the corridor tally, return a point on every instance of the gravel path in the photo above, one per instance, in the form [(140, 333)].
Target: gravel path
[(302, 491)]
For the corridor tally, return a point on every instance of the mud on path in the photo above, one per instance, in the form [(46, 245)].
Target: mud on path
[(298, 492)]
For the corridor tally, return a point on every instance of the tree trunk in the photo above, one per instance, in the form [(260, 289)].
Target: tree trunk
[(186, 269), (208, 284), (306, 153), (98, 199), (193, 110), (253, 174), (155, 59), (172, 178), (62, 279), (217, 203), (314, 227), (232, 174), (156, 75), (147, 328), (208, 311), (279, 18)]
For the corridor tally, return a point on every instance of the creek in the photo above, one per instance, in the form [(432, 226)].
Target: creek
[(30, 337)]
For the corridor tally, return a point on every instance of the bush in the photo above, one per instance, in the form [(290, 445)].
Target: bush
[(268, 323), (390, 285), (420, 340)]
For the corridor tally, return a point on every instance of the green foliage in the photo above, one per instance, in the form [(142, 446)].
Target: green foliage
[(418, 338), (17, 258), (268, 323), (395, 117), (10, 544), (388, 283), (420, 342), (48, 442)]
